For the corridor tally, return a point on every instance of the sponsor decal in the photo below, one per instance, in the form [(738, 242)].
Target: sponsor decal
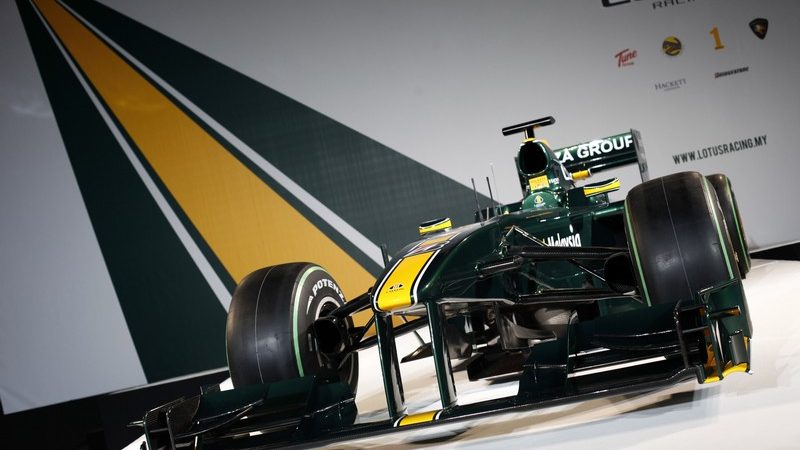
[(721, 149), (610, 151), (539, 182), (668, 3), (538, 201), (731, 72), (573, 240), (396, 287), (759, 27), (671, 46), (718, 45), (656, 5), (594, 148), (325, 283), (625, 57), (670, 85)]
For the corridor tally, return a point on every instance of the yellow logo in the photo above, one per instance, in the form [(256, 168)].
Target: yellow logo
[(672, 46), (538, 183), (538, 200)]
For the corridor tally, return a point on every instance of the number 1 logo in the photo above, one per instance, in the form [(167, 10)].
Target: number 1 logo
[(717, 41)]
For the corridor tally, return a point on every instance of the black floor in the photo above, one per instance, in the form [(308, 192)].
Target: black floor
[(94, 423), (789, 252)]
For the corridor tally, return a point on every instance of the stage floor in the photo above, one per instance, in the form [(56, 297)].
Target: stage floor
[(743, 410)]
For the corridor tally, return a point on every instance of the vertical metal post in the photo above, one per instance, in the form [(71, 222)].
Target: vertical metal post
[(441, 357), (390, 368)]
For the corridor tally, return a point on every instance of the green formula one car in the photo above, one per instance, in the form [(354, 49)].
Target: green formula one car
[(578, 296)]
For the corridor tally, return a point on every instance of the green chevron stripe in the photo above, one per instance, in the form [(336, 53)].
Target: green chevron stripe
[(176, 323)]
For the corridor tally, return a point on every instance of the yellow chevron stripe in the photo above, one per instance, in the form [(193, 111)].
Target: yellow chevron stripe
[(245, 223)]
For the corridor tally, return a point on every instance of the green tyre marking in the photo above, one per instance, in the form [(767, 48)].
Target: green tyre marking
[(716, 225), (636, 252), (296, 317)]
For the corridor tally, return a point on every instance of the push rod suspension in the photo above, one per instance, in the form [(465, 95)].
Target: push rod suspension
[(400, 330), (567, 296), (353, 306), (536, 252)]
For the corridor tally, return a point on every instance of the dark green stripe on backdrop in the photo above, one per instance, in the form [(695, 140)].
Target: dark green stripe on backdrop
[(377, 190), (176, 322)]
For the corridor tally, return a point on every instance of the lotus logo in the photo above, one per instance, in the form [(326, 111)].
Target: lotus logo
[(759, 27), (672, 46)]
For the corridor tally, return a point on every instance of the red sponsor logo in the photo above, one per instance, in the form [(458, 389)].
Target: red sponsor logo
[(625, 57)]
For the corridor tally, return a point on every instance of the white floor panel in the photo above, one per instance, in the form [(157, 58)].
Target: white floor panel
[(742, 411)]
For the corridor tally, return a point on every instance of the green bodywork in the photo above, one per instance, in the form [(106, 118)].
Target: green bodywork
[(474, 292), (558, 214), (554, 212)]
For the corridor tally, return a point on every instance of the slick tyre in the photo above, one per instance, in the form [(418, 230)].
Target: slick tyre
[(733, 221), (677, 238), (268, 335)]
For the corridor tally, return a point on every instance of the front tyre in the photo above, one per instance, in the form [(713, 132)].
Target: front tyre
[(677, 237), (268, 332)]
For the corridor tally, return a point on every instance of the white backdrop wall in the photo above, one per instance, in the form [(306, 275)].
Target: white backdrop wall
[(437, 80), (434, 81)]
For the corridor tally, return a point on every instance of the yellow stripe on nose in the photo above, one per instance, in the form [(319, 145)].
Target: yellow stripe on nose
[(396, 292)]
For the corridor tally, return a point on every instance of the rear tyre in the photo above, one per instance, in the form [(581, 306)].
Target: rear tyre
[(268, 335), (676, 232), (733, 221)]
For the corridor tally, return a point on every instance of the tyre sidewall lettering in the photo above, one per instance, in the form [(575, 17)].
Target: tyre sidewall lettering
[(314, 291)]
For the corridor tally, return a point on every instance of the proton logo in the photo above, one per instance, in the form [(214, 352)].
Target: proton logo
[(396, 287), (759, 27), (625, 57), (672, 46)]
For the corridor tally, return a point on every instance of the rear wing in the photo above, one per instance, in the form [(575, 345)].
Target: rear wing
[(606, 153)]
